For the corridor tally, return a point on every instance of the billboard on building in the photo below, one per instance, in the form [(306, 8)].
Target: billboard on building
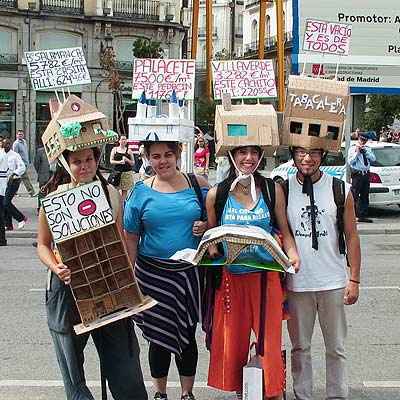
[(374, 59)]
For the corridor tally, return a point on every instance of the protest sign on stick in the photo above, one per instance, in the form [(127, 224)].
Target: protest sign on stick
[(57, 68), (160, 77), (244, 79), (327, 37)]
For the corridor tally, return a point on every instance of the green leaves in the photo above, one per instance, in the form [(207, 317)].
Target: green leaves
[(380, 110)]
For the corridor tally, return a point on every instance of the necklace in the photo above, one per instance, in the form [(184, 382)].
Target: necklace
[(243, 188)]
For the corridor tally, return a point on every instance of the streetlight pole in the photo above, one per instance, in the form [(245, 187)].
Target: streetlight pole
[(280, 54)]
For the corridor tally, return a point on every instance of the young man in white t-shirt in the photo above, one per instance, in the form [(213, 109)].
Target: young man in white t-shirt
[(323, 284)]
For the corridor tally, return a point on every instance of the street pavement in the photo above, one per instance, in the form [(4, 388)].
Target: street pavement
[(28, 367)]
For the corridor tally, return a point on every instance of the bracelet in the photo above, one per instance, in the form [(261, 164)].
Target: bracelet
[(354, 281)]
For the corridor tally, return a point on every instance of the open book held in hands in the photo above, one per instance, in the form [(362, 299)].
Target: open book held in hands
[(236, 239)]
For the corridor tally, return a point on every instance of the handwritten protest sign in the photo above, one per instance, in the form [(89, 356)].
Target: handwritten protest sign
[(77, 211), (57, 68), (159, 77), (244, 79), (327, 37)]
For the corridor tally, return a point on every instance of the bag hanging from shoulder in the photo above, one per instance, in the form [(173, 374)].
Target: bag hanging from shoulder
[(114, 178)]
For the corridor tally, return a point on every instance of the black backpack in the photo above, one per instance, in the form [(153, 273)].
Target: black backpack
[(338, 189)]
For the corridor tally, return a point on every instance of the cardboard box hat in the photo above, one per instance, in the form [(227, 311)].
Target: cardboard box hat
[(315, 113), (246, 125), (74, 126)]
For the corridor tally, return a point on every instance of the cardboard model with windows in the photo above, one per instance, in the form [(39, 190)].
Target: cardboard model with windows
[(245, 125), (315, 113), (75, 125)]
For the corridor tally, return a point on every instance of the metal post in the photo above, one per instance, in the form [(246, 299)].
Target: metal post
[(280, 54), (261, 29), (195, 29), (232, 6), (209, 47)]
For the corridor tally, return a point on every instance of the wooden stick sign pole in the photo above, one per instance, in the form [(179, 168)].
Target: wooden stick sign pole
[(195, 29), (337, 67), (209, 47), (280, 54), (58, 99), (261, 30)]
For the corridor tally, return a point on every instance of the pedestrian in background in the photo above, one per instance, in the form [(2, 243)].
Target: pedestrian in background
[(360, 158), (3, 186), (201, 157), (121, 158), (322, 286), (43, 171), (16, 168), (20, 147)]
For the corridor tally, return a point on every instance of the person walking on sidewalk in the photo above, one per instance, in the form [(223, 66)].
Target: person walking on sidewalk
[(20, 147), (3, 186), (323, 228), (360, 159), (16, 168), (43, 170)]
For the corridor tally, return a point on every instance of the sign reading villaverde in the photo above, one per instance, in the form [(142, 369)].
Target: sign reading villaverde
[(244, 79), (57, 68), (327, 37), (160, 77), (77, 211)]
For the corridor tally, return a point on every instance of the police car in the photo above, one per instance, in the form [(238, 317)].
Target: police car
[(384, 176)]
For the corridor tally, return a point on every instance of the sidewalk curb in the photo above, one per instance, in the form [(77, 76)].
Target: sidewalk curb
[(25, 234)]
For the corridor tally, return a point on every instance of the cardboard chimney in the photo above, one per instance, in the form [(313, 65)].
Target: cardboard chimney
[(94, 128), (246, 125), (315, 113)]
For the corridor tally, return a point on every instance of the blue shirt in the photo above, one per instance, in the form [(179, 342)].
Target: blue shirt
[(235, 213), (356, 160), (164, 221)]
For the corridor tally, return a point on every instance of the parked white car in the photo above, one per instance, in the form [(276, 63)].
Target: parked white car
[(384, 176)]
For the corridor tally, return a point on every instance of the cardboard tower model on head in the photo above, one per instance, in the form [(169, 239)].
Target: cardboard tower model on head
[(74, 126), (245, 125), (315, 113)]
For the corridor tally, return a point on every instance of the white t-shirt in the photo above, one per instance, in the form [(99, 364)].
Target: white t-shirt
[(325, 268)]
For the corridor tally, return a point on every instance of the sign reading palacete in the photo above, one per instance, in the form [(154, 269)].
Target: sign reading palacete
[(374, 59)]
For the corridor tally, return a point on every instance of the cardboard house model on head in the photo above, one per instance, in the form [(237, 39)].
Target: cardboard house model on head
[(76, 125), (315, 113), (246, 125)]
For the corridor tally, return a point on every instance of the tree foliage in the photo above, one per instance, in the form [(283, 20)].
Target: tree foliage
[(145, 48), (380, 110)]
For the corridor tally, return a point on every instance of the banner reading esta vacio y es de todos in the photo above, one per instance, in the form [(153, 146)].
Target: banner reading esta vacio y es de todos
[(57, 68), (374, 59), (77, 211), (158, 77), (244, 79)]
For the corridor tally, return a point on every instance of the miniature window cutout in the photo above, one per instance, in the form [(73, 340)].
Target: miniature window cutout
[(96, 127), (296, 127), (314, 130), (237, 130), (332, 132), (83, 129)]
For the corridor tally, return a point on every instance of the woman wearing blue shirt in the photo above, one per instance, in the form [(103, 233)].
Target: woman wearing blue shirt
[(162, 216)]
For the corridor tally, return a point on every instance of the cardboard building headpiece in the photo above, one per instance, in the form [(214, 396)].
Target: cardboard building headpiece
[(76, 125), (315, 113), (148, 126), (246, 125)]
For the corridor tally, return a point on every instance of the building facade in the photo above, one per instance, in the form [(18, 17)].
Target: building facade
[(28, 25)]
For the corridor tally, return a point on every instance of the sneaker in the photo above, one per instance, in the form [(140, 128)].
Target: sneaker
[(3, 243), (364, 219), (188, 396), (22, 223), (9, 228), (160, 396)]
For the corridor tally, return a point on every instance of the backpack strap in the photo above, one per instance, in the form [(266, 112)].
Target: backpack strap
[(192, 180), (285, 187), (222, 196), (268, 191), (338, 188)]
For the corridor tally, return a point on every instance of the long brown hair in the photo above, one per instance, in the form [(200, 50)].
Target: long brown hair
[(61, 176)]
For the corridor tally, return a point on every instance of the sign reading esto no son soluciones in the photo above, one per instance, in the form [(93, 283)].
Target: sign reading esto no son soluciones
[(77, 211)]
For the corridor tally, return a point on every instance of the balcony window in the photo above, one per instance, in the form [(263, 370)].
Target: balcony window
[(8, 3), (137, 9), (62, 6), (7, 114), (123, 47), (49, 40), (8, 46)]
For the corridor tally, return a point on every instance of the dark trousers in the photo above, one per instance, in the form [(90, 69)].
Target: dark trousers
[(360, 189), (118, 350), (10, 211), (2, 228), (160, 359)]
